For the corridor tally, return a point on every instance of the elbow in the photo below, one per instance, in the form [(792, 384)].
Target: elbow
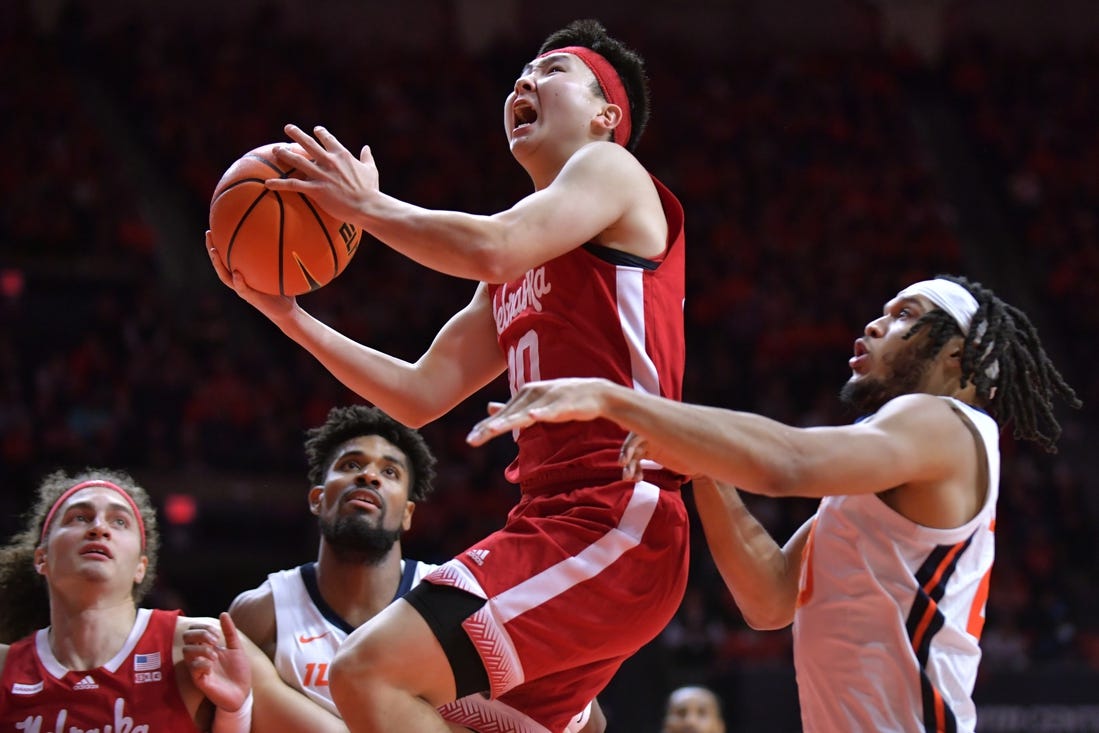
[(414, 418), (496, 268), (785, 475), (413, 404), (778, 483), (773, 603), (496, 257), (780, 463), (415, 415), (767, 624), (772, 619)]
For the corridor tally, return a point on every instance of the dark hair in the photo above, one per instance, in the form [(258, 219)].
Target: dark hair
[(1003, 356), (629, 65), (354, 421), (26, 607)]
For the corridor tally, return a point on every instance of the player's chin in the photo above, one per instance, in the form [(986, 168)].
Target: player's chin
[(367, 515), (521, 140)]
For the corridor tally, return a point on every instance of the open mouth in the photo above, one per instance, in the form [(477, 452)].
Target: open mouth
[(861, 355), (524, 113), (363, 498), (96, 551)]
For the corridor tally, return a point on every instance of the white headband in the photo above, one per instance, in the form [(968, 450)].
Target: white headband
[(950, 296), (960, 304)]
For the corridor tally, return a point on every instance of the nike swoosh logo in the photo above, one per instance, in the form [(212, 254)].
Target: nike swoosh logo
[(306, 639)]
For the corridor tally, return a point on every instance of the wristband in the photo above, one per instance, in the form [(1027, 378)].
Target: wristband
[(237, 721)]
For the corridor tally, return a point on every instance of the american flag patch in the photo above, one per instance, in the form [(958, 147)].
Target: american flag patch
[(146, 662)]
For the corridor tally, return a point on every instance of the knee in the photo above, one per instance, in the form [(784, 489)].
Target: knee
[(354, 685), (350, 668)]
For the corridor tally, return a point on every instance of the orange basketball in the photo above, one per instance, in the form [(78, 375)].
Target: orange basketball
[(282, 242)]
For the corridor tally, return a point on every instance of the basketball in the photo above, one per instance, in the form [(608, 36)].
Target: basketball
[(281, 242)]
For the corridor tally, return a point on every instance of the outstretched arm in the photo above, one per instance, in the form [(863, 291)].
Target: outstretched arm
[(590, 194), (463, 357), (913, 438), (762, 576)]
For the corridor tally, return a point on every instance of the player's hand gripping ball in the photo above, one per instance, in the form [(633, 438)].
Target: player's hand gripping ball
[(282, 242)]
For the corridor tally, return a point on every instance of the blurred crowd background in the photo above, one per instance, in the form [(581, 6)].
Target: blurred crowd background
[(827, 152)]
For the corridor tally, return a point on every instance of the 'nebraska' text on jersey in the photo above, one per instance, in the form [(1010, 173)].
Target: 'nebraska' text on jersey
[(593, 312), (134, 692)]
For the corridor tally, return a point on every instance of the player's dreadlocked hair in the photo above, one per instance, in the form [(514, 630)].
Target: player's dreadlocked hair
[(26, 605), (631, 69), (1003, 356)]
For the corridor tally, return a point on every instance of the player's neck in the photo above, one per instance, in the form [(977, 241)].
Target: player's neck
[(88, 637), (355, 590), (545, 165)]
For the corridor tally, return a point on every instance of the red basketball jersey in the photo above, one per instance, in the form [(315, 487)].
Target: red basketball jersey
[(135, 692), (583, 549), (593, 312)]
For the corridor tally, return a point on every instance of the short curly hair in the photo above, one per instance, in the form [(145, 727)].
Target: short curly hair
[(354, 421)]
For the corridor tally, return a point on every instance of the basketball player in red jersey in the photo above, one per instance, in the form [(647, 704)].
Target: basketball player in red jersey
[(102, 663), (583, 277)]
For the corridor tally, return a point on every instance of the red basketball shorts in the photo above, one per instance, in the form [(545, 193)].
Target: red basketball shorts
[(574, 583)]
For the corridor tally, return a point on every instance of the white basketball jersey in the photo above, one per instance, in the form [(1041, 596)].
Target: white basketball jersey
[(310, 632), (890, 612)]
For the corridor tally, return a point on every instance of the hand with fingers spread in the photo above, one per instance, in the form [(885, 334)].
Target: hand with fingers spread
[(331, 175), (272, 306), (221, 671), (558, 400)]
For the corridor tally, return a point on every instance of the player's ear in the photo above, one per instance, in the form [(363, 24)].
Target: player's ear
[(406, 520), (950, 358), (315, 495), (142, 567), (40, 560), (607, 119), (954, 348)]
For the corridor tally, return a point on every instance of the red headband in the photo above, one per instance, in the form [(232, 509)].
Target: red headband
[(86, 485), (611, 84)]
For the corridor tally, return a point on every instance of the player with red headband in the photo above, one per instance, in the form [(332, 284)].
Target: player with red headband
[(583, 277), (85, 657)]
